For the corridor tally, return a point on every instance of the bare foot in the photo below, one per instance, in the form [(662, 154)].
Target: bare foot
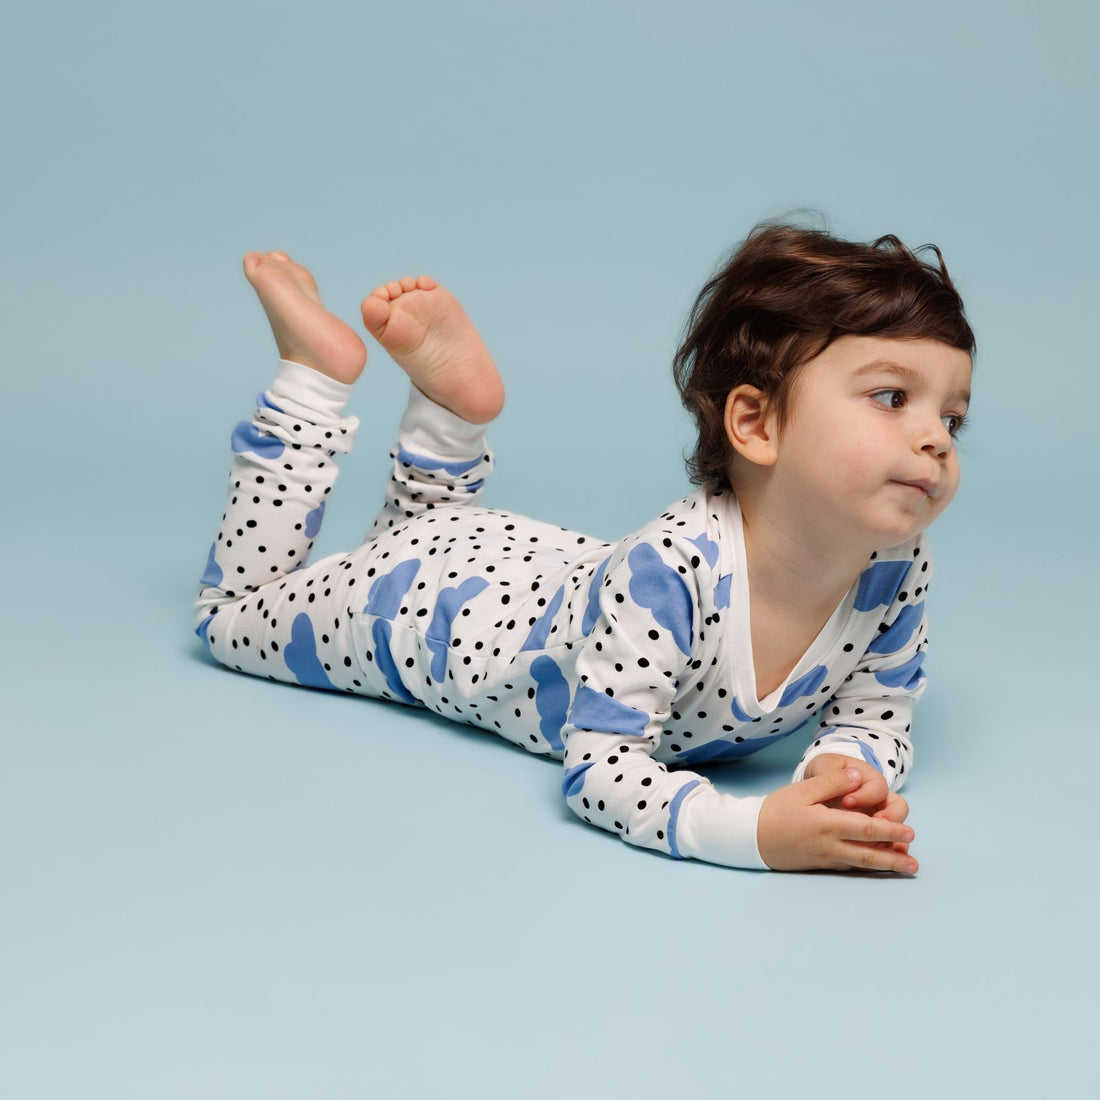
[(304, 330), (428, 335)]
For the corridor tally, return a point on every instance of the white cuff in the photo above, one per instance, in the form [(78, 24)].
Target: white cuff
[(430, 429), (720, 828), (829, 749), (318, 398)]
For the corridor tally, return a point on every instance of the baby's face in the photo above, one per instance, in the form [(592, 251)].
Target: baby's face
[(871, 435)]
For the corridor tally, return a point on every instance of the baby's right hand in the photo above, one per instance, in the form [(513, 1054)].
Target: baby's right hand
[(798, 832)]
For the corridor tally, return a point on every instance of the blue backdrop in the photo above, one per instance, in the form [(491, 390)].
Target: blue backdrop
[(213, 886)]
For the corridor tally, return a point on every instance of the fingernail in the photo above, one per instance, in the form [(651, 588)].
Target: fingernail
[(853, 774)]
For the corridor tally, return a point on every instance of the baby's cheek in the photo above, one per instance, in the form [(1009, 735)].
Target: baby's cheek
[(855, 469), (950, 485)]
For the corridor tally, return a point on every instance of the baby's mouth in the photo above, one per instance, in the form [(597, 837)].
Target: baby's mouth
[(922, 484)]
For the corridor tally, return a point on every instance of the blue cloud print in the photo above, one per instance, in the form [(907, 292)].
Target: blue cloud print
[(247, 437), (540, 631), (381, 633), (592, 607), (551, 699), (804, 685), (715, 751), (900, 631), (906, 676), (708, 548), (423, 462), (213, 573), (596, 710), (880, 584), (388, 590), (301, 654), (657, 587), (447, 606)]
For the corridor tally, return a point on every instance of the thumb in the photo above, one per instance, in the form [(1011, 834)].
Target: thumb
[(830, 785)]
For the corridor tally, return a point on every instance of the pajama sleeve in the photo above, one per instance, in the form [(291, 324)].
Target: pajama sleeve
[(870, 716), (646, 616)]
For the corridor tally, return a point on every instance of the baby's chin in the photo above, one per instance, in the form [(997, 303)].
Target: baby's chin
[(901, 531), (907, 534)]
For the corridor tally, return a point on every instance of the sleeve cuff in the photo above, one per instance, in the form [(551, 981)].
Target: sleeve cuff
[(720, 828), (833, 750)]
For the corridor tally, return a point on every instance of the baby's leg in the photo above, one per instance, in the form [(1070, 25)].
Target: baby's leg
[(258, 610), (441, 458)]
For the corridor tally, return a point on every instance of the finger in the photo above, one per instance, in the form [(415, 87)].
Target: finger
[(872, 830), (873, 858), (895, 847), (895, 809), (873, 791), (835, 784)]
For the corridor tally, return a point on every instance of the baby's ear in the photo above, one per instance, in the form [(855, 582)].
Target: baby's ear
[(750, 425)]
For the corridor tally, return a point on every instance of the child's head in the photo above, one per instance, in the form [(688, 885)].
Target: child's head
[(783, 297)]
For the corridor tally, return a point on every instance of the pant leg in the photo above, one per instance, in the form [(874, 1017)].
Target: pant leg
[(440, 460), (260, 608)]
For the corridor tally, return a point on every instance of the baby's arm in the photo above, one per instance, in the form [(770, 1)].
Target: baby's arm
[(867, 722), (644, 614), (641, 646), (612, 781)]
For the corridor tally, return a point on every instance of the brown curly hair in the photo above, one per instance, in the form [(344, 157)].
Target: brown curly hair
[(785, 294)]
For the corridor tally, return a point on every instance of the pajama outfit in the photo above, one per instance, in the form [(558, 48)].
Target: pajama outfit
[(627, 661)]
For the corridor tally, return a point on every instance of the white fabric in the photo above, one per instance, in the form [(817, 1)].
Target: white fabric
[(627, 661)]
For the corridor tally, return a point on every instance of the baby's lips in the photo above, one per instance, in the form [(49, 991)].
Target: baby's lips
[(928, 486)]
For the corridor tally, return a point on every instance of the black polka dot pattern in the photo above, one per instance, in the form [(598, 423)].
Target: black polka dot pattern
[(634, 657)]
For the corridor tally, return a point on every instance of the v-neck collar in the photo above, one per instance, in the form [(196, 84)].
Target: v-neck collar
[(743, 671)]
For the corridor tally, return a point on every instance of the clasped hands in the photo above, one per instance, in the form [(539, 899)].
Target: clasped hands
[(842, 816)]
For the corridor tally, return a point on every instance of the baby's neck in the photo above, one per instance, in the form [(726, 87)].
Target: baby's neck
[(794, 588), (793, 570)]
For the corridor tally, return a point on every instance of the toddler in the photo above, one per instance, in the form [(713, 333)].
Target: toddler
[(827, 380)]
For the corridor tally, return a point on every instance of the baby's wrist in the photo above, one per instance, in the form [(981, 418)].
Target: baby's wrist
[(826, 762)]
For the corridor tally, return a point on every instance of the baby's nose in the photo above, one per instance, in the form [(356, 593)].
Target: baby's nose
[(938, 443)]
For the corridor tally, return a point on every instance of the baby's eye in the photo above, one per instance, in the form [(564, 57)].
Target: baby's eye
[(953, 422), (892, 399)]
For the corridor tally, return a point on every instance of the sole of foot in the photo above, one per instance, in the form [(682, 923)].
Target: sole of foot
[(428, 334), (304, 330)]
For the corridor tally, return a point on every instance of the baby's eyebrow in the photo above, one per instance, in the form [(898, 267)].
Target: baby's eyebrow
[(907, 375), (886, 366)]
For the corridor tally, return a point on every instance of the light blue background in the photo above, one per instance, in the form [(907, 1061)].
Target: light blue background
[(216, 887)]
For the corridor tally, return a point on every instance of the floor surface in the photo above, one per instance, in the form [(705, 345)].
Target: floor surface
[(218, 887)]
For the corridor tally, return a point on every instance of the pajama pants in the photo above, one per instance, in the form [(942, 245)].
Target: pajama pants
[(261, 609)]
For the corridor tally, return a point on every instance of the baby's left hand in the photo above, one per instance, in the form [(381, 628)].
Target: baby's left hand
[(873, 797)]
